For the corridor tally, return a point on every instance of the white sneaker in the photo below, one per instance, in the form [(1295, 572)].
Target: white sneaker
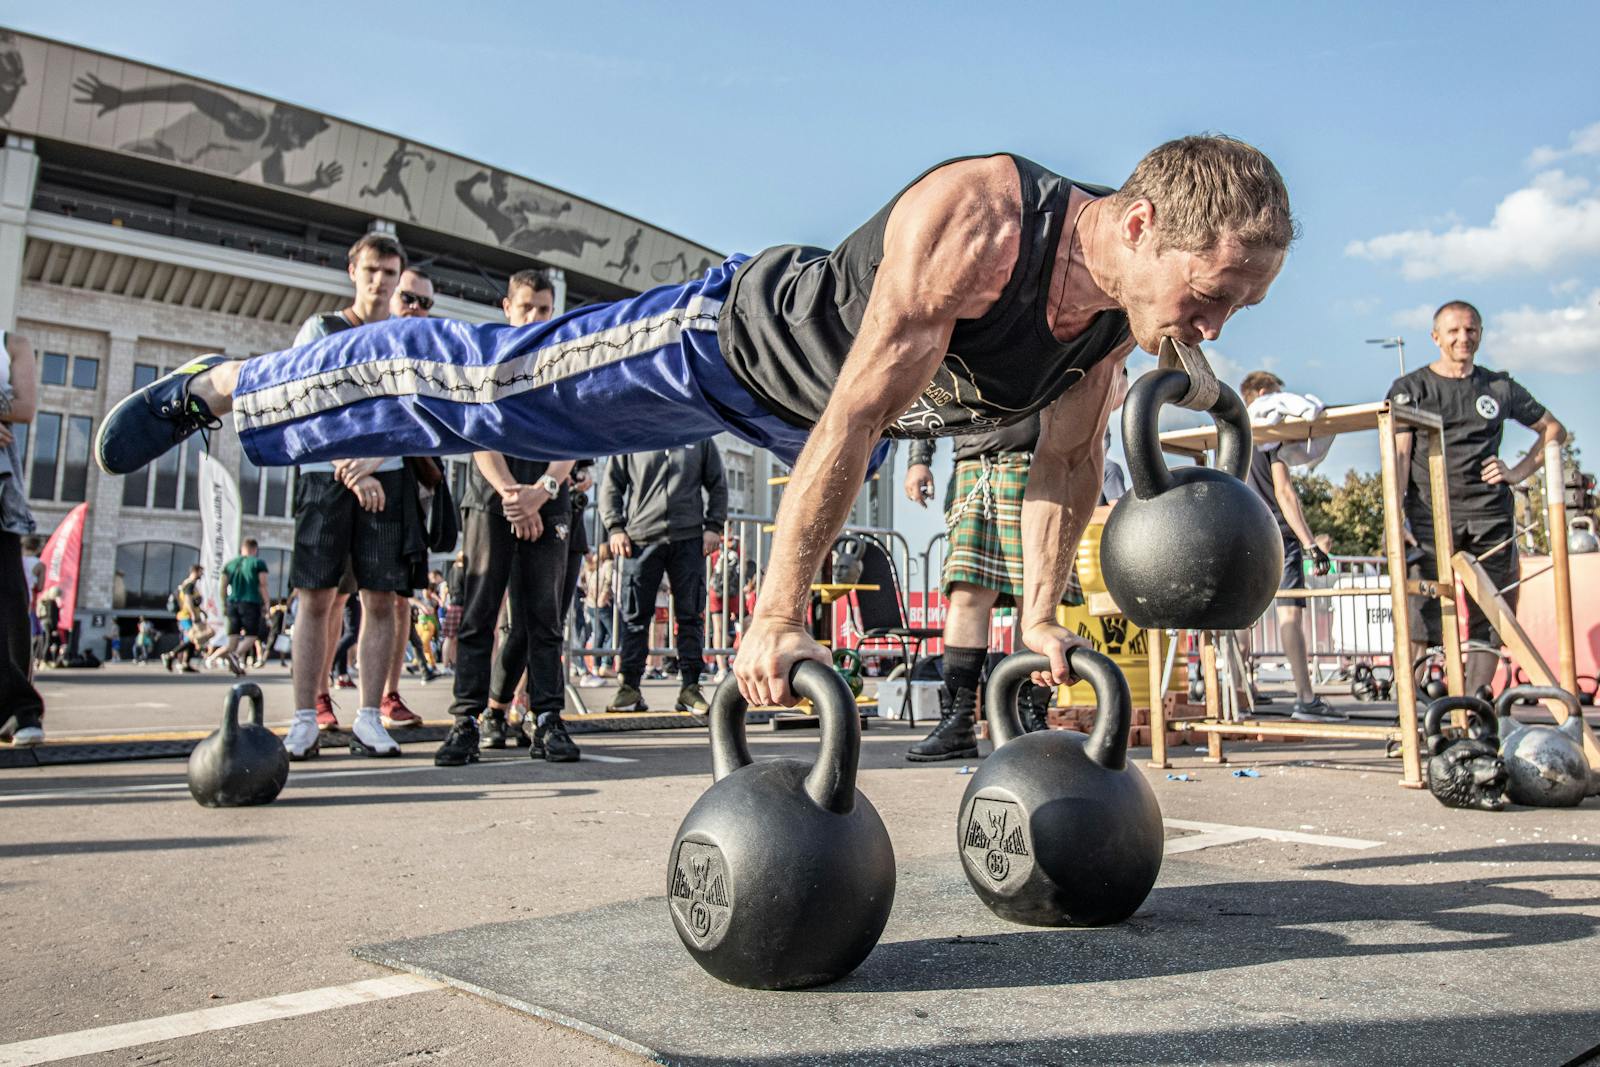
[(28, 737), (304, 740), (591, 681), (369, 738)]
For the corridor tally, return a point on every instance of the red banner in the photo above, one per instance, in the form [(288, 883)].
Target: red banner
[(1002, 627), (61, 555)]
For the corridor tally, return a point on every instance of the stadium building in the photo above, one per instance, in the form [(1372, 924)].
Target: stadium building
[(147, 216)]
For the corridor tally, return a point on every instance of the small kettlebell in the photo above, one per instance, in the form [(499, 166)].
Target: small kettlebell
[(1545, 765), (240, 764), (782, 874), (1055, 828), (1465, 772), (1193, 548), (847, 661)]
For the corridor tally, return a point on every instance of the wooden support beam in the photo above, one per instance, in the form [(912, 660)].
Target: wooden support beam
[(1395, 549)]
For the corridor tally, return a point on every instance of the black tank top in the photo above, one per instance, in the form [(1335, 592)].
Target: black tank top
[(794, 311)]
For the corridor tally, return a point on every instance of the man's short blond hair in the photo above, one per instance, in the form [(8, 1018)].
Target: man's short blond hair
[(1210, 186)]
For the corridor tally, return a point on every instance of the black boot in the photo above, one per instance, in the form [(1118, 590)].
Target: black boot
[(953, 738), (1033, 708), (460, 746), (494, 728)]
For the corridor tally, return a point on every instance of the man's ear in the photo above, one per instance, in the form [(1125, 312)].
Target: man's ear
[(1137, 223)]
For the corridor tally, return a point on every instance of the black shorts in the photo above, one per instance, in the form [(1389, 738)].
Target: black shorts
[(1294, 573), (331, 527), (1477, 535), (244, 618)]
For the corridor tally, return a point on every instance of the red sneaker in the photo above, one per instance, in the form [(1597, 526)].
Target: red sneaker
[(326, 719), (395, 713), (344, 682)]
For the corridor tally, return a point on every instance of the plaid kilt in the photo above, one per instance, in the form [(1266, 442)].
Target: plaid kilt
[(983, 514), (450, 624)]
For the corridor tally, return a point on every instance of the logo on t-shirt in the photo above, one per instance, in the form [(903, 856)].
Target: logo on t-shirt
[(1488, 406)]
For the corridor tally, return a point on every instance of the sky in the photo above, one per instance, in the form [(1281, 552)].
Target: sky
[(1432, 151)]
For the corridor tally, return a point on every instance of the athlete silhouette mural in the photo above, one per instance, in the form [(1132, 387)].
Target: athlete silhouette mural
[(392, 179), (220, 134), (514, 217)]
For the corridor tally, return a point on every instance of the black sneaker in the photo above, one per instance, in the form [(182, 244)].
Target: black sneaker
[(460, 745), (1315, 710), (148, 423), (954, 737), (550, 740), (691, 699), (494, 728)]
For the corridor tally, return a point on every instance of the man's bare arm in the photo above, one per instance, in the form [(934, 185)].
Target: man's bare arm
[(1550, 431), (1063, 489), (949, 249), (1288, 498), (20, 405)]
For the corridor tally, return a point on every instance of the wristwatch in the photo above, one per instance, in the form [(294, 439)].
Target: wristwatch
[(549, 485)]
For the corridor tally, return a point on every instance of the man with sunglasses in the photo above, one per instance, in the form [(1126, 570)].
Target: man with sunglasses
[(413, 297)]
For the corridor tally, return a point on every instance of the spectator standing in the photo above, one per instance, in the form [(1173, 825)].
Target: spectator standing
[(21, 706), (186, 600), (450, 624), (350, 522), (1474, 403), (1269, 476), (664, 512), (144, 640), (516, 519), (244, 599)]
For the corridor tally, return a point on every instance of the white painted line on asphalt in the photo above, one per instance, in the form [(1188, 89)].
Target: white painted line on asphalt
[(189, 1023), (1217, 833), (111, 790), (590, 756), (114, 707)]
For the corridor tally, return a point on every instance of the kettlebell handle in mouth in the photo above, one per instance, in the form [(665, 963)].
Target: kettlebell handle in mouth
[(1107, 744), (1147, 470), (831, 783)]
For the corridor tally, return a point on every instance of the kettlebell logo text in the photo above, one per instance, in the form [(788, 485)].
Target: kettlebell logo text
[(700, 896), (994, 840)]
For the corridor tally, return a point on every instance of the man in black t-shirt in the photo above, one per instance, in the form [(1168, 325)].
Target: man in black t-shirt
[(1269, 477), (1474, 404)]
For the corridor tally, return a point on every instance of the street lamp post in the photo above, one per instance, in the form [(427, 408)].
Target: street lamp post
[(1392, 342)]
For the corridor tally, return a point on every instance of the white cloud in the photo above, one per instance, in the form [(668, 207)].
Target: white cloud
[(1415, 318), (1554, 219), (1563, 340), (1566, 286), (1584, 142)]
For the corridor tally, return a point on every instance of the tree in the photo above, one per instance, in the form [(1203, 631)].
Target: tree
[(1351, 513)]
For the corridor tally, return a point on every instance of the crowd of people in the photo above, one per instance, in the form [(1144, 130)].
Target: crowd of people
[(365, 605)]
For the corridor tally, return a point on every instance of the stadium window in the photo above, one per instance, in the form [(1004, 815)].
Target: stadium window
[(191, 478), (144, 374), (75, 459), (46, 443), (276, 501), (53, 369), (277, 561), (167, 471), (85, 373)]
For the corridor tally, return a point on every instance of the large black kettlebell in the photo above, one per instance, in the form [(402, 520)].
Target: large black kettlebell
[(1192, 548), (1055, 828), (782, 874), (240, 764)]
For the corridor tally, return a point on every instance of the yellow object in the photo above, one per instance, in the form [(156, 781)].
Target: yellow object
[(1088, 560), (1128, 648)]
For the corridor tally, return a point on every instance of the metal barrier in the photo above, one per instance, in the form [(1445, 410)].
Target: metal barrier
[(1339, 630)]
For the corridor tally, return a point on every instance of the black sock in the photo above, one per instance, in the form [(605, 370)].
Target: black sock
[(962, 668)]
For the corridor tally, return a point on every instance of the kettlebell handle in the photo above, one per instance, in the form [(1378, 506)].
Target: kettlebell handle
[(1502, 706), (832, 780), (243, 691), (1479, 709), (1108, 740), (1141, 443)]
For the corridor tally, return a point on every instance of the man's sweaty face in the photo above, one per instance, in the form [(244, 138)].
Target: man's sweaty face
[(1457, 332), (1189, 296)]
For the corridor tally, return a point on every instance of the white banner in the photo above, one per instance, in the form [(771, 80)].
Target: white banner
[(220, 529)]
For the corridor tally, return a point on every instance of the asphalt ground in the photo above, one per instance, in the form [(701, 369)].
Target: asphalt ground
[(139, 924)]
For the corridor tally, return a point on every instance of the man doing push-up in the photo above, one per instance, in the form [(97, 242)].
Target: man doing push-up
[(988, 290)]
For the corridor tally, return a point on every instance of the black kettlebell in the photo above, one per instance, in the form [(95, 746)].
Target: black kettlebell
[(1193, 548), (1055, 828), (782, 874), (240, 764), (1465, 772)]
